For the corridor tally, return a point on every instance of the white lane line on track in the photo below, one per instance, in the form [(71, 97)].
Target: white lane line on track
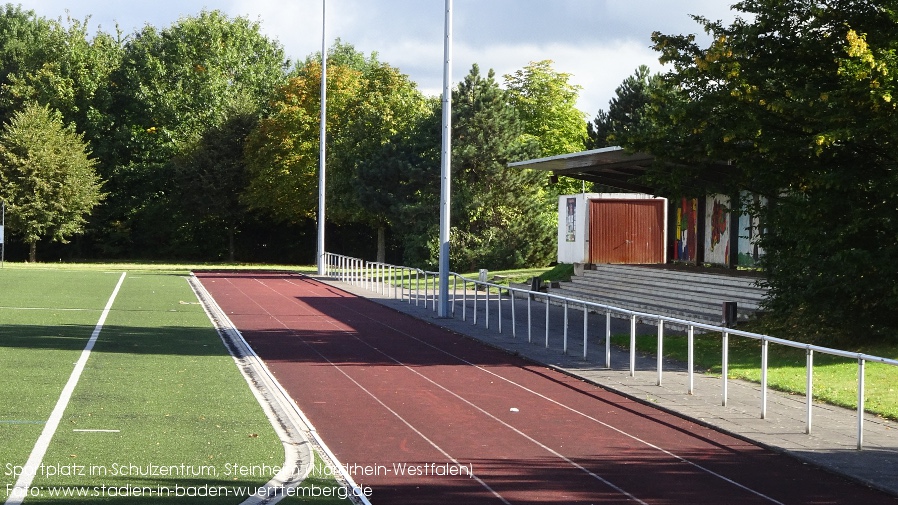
[(332, 322), (357, 494), (398, 416), (29, 471), (479, 409), (567, 407)]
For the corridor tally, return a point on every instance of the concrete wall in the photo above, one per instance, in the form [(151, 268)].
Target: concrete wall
[(573, 227)]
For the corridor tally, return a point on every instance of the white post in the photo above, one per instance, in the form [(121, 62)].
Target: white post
[(322, 137), (724, 367), (585, 329), (445, 171), (860, 404), (564, 344), (809, 389), (608, 339), (690, 353), (765, 346), (660, 349), (633, 346)]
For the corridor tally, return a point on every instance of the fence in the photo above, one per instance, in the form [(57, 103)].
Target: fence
[(391, 280)]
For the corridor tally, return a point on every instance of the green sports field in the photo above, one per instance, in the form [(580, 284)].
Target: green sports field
[(160, 413)]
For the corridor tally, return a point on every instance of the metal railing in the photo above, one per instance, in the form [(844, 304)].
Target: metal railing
[(383, 278)]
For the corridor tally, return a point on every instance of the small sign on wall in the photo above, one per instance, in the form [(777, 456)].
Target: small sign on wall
[(571, 232)]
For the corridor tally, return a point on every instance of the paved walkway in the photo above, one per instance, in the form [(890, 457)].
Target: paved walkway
[(832, 443)]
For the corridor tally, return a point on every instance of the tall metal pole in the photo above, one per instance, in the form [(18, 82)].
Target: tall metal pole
[(322, 137), (445, 170)]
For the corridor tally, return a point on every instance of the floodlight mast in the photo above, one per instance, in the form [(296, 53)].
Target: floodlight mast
[(445, 170), (321, 150)]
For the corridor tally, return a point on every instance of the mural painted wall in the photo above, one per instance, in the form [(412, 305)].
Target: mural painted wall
[(717, 230), (686, 232), (749, 229)]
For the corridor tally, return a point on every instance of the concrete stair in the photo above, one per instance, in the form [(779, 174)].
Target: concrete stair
[(693, 295)]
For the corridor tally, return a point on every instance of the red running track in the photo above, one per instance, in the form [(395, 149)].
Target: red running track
[(387, 391)]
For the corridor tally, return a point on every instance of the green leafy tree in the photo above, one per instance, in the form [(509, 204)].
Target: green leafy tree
[(386, 110), (624, 110), (499, 215), (172, 87), (210, 179), (546, 103), (369, 105), (47, 177), (24, 43), (71, 76), (800, 98), (400, 180), (283, 150)]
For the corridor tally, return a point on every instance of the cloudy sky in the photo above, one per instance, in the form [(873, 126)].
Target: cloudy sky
[(599, 42)]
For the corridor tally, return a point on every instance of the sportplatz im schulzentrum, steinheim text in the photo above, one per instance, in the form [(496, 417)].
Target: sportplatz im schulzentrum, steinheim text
[(236, 470)]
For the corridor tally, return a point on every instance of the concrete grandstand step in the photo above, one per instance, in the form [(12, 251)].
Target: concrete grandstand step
[(680, 276), (711, 296), (691, 295), (708, 315), (682, 289), (711, 291), (711, 306)]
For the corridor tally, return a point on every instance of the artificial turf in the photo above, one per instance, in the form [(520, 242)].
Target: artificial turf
[(178, 417)]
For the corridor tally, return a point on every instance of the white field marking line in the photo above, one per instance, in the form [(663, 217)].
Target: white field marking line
[(29, 471), (332, 322), (329, 456), (571, 409), (494, 418), (48, 309)]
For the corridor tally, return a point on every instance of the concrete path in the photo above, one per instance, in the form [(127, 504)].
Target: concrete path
[(831, 445)]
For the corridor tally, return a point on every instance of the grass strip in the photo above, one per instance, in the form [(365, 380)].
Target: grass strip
[(835, 378)]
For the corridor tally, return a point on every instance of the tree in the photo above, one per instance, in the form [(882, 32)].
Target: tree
[(546, 103), (210, 178), (386, 110), (369, 105), (624, 109), (70, 73), (800, 99), (282, 151), (24, 40), (547, 106), (401, 181), (47, 178), (172, 87), (499, 215)]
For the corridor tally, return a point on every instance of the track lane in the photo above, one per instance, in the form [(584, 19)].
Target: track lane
[(458, 395)]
